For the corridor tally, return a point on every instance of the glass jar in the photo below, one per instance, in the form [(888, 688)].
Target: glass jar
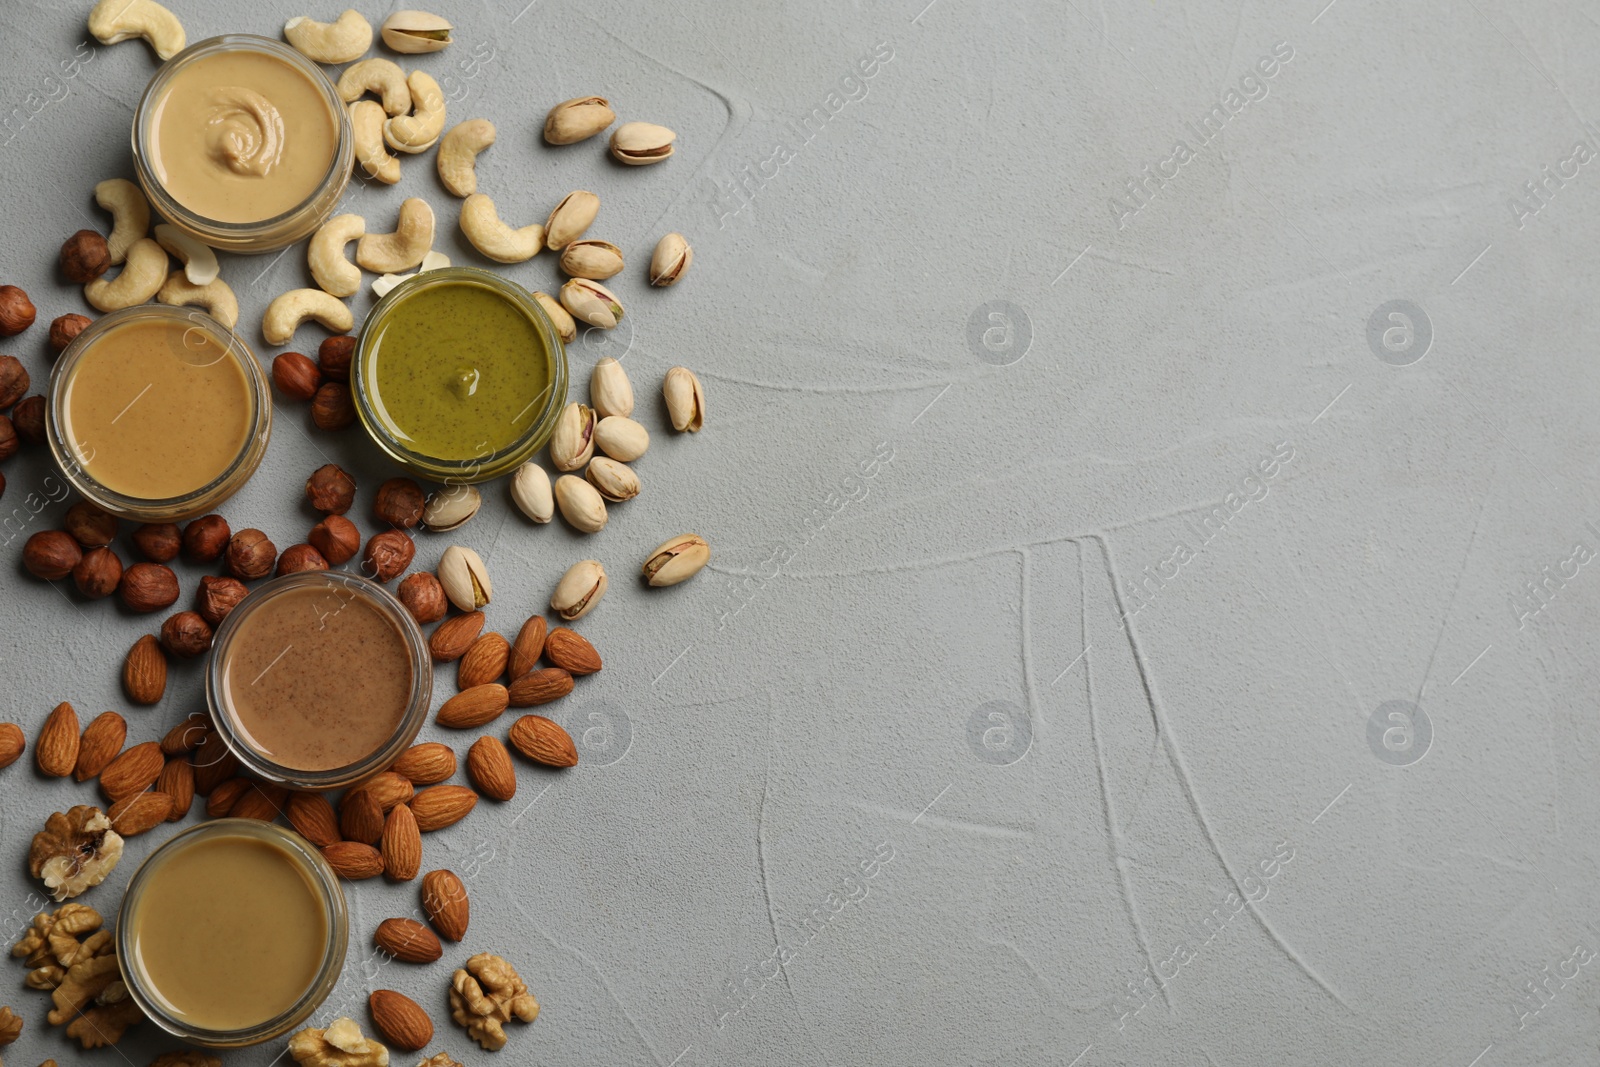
[(478, 360), (306, 680), (212, 390), (280, 222), (155, 934)]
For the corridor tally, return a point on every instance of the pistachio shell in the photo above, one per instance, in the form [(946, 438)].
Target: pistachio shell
[(588, 258), (572, 441), (451, 507), (639, 143), (580, 503), (591, 302), (621, 438), (570, 218), (579, 590), (415, 32), (671, 260), (686, 401), (560, 318), (609, 389), (465, 578), (614, 481), (676, 559), (530, 491), (578, 119)]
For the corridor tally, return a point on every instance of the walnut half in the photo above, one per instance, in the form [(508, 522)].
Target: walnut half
[(340, 1045), (76, 849), (486, 995)]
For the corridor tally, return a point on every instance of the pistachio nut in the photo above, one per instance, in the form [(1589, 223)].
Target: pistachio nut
[(415, 32), (589, 258), (621, 438), (580, 503), (671, 259), (451, 507), (609, 389), (614, 481), (686, 401), (464, 577), (591, 302), (570, 218), (579, 590), (572, 441), (530, 491), (578, 119), (638, 143), (676, 559), (560, 318)]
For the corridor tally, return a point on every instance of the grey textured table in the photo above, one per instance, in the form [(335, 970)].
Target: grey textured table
[(1147, 623)]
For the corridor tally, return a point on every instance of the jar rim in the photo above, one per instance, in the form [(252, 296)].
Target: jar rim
[(319, 875)]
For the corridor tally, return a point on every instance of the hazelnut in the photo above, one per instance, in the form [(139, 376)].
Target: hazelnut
[(13, 381), (84, 257), (16, 311), (64, 329), (334, 358), (90, 526), (337, 538), (297, 558), (2, 485), (148, 587), (424, 597), (218, 596), (206, 538), (330, 490), (332, 408), (51, 555), (387, 556), (186, 635), (158, 541), (296, 377), (28, 417), (98, 573), (400, 502), (8, 439), (250, 555)]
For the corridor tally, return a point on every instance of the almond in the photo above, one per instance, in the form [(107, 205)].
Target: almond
[(444, 898), (571, 651), (140, 812), (408, 941), (543, 741), (527, 648), (539, 687), (144, 671), (186, 736), (441, 806), (401, 845), (484, 662), (132, 772), (12, 743), (474, 707), (223, 796), (491, 770), (177, 781), (360, 817), (313, 819), (57, 750), (101, 741), (262, 800), (388, 789), (213, 763), (454, 636), (353, 860), (400, 1020), (426, 764)]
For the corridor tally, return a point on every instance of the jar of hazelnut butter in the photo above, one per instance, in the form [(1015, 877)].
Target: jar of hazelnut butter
[(242, 142), (318, 680)]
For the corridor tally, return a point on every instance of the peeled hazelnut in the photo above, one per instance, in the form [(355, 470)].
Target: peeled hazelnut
[(9, 443), (332, 408), (98, 573), (250, 555), (13, 381), (296, 377), (206, 538), (336, 538), (424, 597), (399, 503), (334, 358), (28, 418), (64, 329), (158, 541), (51, 555), (186, 635), (297, 558), (84, 257), (217, 597), (90, 526), (148, 587), (330, 490), (387, 556), (16, 311)]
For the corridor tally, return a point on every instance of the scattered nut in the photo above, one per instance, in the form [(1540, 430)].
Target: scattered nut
[(458, 155), (14, 381), (686, 401), (89, 525), (141, 278), (464, 578), (330, 490), (423, 597), (590, 258), (671, 260), (214, 296), (609, 389), (400, 1019), (450, 508), (16, 311), (217, 597), (159, 542), (101, 743), (543, 741), (420, 130), (250, 555), (51, 554), (9, 442), (491, 770), (571, 651), (444, 901), (130, 211), (75, 851), (591, 302), (114, 21), (367, 118), (333, 358), (296, 376), (206, 538), (28, 419), (413, 32), (384, 253), (200, 264), (408, 940), (12, 743), (325, 255), (98, 573), (580, 503), (676, 559), (333, 408), (530, 491), (570, 218), (639, 143), (426, 764), (481, 225), (387, 555), (615, 481), (84, 257), (297, 558), (56, 753), (578, 119), (527, 648), (539, 687), (336, 538), (286, 313), (400, 503), (381, 77), (401, 844), (579, 590), (340, 1045), (454, 636), (572, 440), (186, 635), (64, 329), (486, 994), (344, 40), (148, 587), (484, 662)]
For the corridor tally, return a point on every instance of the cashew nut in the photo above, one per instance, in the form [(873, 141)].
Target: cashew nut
[(482, 225), (214, 296), (366, 123), (130, 215), (286, 313), (420, 130), (458, 155), (139, 280), (390, 253), (325, 255), (382, 78), (114, 21), (199, 261), (342, 41)]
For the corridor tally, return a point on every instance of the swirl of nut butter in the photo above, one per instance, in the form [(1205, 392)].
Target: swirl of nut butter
[(244, 131)]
